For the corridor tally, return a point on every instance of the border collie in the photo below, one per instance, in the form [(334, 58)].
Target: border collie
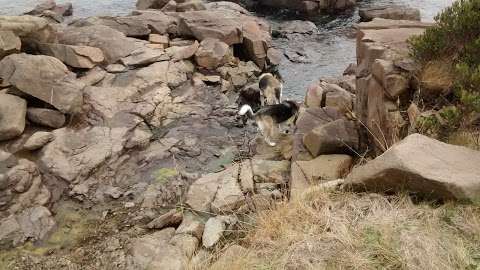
[(271, 89)]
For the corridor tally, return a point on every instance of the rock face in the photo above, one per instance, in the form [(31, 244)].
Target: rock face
[(45, 78), (423, 166), (74, 56), (46, 117), (390, 12), (113, 43), (212, 53), (13, 110), (9, 43)]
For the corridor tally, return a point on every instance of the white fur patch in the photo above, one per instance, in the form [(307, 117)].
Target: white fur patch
[(245, 109)]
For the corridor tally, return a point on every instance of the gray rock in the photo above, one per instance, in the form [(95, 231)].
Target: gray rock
[(45, 78), (46, 117), (191, 224), (170, 219), (9, 43), (229, 196), (246, 177), (214, 229), (151, 4), (38, 140), (93, 76), (299, 27), (131, 26), (12, 116), (202, 192), (74, 56), (423, 166), (116, 68), (392, 12)]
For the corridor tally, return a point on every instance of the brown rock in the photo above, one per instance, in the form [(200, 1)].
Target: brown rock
[(9, 43), (12, 116), (38, 140), (170, 219), (184, 52), (74, 56), (212, 53), (159, 39), (46, 117), (390, 12), (151, 4)]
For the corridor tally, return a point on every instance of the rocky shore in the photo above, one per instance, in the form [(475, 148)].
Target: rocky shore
[(120, 146)]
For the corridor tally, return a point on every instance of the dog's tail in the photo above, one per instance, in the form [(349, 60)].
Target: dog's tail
[(246, 110)]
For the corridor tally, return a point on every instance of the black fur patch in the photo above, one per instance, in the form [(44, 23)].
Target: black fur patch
[(279, 112)]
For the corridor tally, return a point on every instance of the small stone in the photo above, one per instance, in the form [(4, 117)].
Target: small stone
[(38, 140), (129, 204), (116, 68)]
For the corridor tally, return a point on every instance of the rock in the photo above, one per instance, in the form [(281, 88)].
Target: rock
[(274, 57), (226, 5), (154, 251), (64, 9), (212, 53), (29, 28), (229, 196), (179, 53), (46, 117), (116, 68), (191, 224), (190, 5), (246, 177), (12, 116), (113, 192), (171, 6), (74, 154), (42, 6), (45, 78), (396, 85), (229, 256), (325, 168), (74, 56), (214, 229), (298, 27), (255, 43), (170, 219), (157, 21), (31, 224), (423, 166), (337, 137), (9, 43), (131, 26), (186, 243), (151, 4), (328, 94), (310, 7), (113, 43), (202, 192), (269, 171), (38, 140), (159, 39), (144, 56), (240, 74), (93, 76), (390, 12)]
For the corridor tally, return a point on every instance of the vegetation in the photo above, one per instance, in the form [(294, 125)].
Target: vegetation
[(342, 230), (454, 42)]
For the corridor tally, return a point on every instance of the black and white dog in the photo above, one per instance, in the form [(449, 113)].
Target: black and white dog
[(270, 117), (271, 89)]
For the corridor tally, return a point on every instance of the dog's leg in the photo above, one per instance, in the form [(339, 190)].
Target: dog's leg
[(269, 132)]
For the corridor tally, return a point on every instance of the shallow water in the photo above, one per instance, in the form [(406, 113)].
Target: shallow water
[(328, 53)]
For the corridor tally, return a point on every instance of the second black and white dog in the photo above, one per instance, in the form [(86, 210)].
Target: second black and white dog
[(270, 117), (271, 89)]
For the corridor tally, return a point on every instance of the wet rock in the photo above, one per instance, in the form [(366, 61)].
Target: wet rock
[(270, 171), (191, 224), (9, 43), (45, 78), (31, 224), (29, 28), (170, 219), (390, 12), (151, 4), (215, 229), (46, 117), (184, 52), (337, 137), (298, 27), (74, 56), (212, 53), (229, 195), (38, 140), (246, 177), (113, 43), (202, 192), (13, 110), (154, 251), (423, 166)]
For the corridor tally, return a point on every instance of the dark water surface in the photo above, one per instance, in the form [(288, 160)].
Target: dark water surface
[(327, 53)]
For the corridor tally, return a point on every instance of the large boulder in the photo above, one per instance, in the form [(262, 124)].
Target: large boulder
[(390, 12), (74, 56), (337, 137), (229, 196), (212, 53), (29, 28), (13, 110), (9, 43), (131, 26), (423, 166), (113, 43), (45, 78)]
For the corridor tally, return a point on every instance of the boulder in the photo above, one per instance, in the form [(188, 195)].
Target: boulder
[(298, 27), (325, 168), (229, 196), (190, 5), (324, 94), (177, 53), (38, 140), (46, 117), (212, 53), (29, 28), (255, 43), (157, 21), (144, 56), (13, 110), (74, 56), (170, 219), (270, 171), (191, 224), (41, 7), (9, 43), (114, 44), (423, 166), (159, 39), (93, 76), (202, 192), (116, 68), (215, 229), (131, 26), (337, 137), (246, 177), (390, 12), (151, 4), (226, 5), (45, 78)]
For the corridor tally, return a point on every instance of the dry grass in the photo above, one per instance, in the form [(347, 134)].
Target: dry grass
[(361, 231), (437, 77)]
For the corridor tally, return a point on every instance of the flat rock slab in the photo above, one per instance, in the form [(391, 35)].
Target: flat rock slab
[(423, 166)]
